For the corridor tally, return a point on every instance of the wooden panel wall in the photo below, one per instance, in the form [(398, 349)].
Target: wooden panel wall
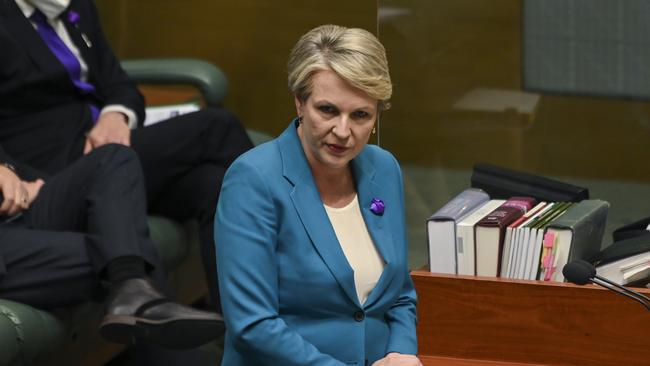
[(249, 39), (441, 51)]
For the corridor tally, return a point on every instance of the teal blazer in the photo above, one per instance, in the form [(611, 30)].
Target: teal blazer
[(287, 290)]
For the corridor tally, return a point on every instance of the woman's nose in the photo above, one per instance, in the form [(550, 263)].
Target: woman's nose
[(342, 128)]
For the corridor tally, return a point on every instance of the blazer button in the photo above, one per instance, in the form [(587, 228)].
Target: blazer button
[(359, 316)]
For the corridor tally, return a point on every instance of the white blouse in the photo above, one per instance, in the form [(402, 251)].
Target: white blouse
[(358, 247)]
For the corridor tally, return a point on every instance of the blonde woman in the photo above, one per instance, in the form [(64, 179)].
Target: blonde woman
[(310, 234)]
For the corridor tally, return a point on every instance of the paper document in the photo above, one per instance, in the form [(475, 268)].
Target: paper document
[(161, 113)]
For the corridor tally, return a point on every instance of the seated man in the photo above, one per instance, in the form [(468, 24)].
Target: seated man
[(63, 94), (61, 237)]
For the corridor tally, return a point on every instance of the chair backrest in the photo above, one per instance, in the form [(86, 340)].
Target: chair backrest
[(206, 77)]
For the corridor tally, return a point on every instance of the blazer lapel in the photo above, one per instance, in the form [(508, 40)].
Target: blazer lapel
[(309, 207), (367, 189), (23, 31)]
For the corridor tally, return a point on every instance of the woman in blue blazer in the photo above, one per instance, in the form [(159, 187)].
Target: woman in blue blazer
[(310, 233)]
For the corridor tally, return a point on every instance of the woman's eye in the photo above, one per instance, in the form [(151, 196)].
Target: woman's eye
[(361, 114), (327, 109)]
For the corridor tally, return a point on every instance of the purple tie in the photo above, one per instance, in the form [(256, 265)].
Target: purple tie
[(60, 50), (63, 53)]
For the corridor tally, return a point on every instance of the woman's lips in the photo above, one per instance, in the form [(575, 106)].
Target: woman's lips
[(337, 149)]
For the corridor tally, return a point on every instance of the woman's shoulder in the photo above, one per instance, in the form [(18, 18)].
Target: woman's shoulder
[(380, 158), (378, 151), (261, 155), (263, 158)]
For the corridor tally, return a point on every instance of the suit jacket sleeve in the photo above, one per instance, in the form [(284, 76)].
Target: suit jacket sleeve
[(111, 81), (401, 317), (246, 235), (24, 172)]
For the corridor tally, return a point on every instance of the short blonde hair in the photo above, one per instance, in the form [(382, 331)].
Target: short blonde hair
[(355, 54)]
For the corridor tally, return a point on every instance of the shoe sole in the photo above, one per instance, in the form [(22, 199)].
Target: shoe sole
[(170, 333)]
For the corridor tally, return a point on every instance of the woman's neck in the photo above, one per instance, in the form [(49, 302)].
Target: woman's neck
[(336, 187)]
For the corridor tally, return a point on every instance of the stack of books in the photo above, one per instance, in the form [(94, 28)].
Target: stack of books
[(627, 261), (513, 238)]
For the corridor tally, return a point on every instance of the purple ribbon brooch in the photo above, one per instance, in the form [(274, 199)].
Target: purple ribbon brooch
[(377, 206), (73, 17)]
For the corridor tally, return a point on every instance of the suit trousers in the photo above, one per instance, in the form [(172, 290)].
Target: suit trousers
[(184, 160), (88, 214)]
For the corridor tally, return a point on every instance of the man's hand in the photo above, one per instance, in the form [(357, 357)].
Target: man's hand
[(14, 193), (33, 188), (398, 359), (111, 127)]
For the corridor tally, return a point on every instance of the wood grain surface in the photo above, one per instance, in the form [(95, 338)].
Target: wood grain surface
[(529, 322)]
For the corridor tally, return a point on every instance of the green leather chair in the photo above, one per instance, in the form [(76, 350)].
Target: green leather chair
[(29, 336)]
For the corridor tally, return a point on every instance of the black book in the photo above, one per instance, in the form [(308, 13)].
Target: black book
[(638, 228), (503, 183), (626, 262), (623, 249)]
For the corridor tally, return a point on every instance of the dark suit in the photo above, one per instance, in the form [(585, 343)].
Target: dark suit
[(43, 116), (53, 254), (56, 252), (44, 119)]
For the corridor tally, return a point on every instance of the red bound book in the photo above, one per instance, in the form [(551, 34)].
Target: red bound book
[(490, 230)]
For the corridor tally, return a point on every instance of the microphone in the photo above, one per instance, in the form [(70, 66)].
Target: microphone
[(582, 272)]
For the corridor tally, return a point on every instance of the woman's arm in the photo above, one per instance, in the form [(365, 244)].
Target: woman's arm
[(401, 320), (246, 237), (402, 316)]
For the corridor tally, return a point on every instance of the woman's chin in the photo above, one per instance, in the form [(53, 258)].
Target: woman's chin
[(334, 162)]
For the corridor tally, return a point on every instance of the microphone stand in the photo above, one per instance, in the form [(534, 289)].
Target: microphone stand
[(641, 298)]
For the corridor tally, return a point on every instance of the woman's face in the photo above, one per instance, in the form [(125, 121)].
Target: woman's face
[(337, 120)]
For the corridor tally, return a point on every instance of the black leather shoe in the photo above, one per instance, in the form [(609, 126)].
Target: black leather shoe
[(135, 310)]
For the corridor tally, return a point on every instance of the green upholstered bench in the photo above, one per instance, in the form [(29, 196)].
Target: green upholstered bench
[(26, 332), (69, 336)]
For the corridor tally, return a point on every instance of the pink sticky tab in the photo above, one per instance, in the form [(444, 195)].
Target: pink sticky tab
[(549, 238), (548, 261), (548, 274)]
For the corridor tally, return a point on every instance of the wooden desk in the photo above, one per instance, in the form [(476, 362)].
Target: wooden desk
[(467, 321), (446, 361)]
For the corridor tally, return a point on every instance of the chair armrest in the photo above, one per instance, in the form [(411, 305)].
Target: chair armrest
[(208, 78), (27, 333)]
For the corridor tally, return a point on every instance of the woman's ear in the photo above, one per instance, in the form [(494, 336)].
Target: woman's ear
[(299, 105)]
